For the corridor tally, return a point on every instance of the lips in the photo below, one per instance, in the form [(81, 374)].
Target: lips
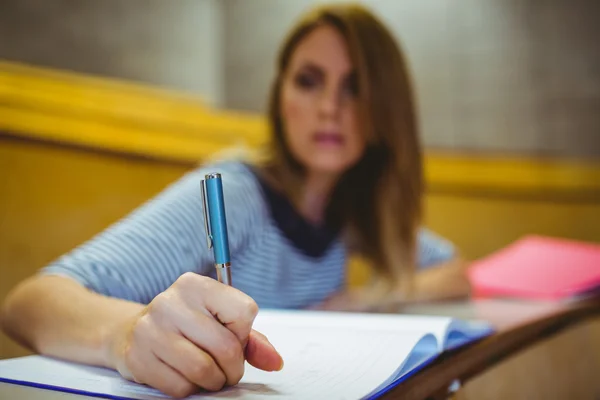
[(329, 138)]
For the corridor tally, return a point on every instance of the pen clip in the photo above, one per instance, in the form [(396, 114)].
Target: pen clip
[(206, 214)]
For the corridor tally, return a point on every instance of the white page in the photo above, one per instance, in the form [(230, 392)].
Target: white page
[(421, 324), (327, 355), (439, 326)]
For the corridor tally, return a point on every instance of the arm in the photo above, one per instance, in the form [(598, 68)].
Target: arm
[(440, 276), (445, 281), (442, 282), (175, 344), (57, 316), (441, 273)]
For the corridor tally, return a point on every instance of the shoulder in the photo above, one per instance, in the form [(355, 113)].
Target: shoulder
[(433, 249)]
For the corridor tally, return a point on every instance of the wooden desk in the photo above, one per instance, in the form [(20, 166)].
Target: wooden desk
[(540, 350), (491, 368)]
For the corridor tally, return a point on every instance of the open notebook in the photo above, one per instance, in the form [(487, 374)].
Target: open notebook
[(327, 355)]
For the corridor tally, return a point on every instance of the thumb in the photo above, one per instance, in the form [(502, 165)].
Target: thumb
[(261, 354)]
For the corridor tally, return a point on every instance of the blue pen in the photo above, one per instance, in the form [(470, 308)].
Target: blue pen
[(215, 224)]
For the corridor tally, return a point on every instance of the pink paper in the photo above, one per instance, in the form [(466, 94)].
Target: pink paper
[(538, 267)]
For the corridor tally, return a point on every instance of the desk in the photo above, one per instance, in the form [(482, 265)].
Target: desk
[(520, 327), (487, 368)]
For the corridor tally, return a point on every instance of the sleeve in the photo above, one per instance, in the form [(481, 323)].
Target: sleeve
[(144, 253), (433, 249)]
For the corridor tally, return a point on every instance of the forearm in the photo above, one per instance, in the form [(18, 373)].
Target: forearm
[(442, 282), (58, 317), (446, 281)]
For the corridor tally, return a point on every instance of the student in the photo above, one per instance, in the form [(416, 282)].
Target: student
[(343, 173)]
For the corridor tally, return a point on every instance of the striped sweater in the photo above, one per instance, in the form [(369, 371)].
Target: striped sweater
[(277, 258)]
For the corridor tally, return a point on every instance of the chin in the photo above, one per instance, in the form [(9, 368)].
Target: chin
[(328, 165)]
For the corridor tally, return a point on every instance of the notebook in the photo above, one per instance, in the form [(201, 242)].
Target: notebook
[(538, 267), (327, 355)]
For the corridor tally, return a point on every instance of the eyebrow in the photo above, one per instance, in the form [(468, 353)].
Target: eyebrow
[(314, 67)]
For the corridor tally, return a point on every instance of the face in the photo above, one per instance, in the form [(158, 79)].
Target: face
[(319, 104)]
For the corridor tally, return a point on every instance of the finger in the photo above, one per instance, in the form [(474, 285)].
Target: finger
[(211, 336), (230, 306), (144, 367), (261, 354), (194, 364)]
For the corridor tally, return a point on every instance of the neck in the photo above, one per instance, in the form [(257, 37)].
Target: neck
[(315, 195)]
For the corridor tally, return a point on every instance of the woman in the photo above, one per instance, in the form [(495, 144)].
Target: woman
[(343, 172)]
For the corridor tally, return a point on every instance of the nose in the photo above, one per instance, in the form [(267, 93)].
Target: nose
[(329, 103)]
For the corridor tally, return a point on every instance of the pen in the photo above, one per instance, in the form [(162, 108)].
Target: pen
[(215, 224)]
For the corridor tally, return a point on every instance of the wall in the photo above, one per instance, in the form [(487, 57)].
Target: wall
[(493, 75), (171, 44)]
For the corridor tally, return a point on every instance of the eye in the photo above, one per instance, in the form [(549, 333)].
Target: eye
[(350, 86), (306, 80)]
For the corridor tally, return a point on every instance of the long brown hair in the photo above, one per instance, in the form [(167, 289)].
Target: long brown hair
[(379, 199)]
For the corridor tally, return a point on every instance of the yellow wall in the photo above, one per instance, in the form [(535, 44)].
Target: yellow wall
[(77, 153), (479, 225)]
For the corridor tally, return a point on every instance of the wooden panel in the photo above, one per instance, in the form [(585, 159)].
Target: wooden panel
[(563, 367), (480, 224), (118, 116)]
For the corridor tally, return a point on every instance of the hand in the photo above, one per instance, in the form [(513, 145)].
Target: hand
[(196, 334), (349, 301)]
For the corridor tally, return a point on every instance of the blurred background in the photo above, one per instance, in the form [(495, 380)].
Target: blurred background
[(102, 104)]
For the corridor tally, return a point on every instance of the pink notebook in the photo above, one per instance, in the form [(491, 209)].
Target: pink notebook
[(538, 267)]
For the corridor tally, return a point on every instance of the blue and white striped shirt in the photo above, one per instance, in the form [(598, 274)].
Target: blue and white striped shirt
[(144, 253)]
